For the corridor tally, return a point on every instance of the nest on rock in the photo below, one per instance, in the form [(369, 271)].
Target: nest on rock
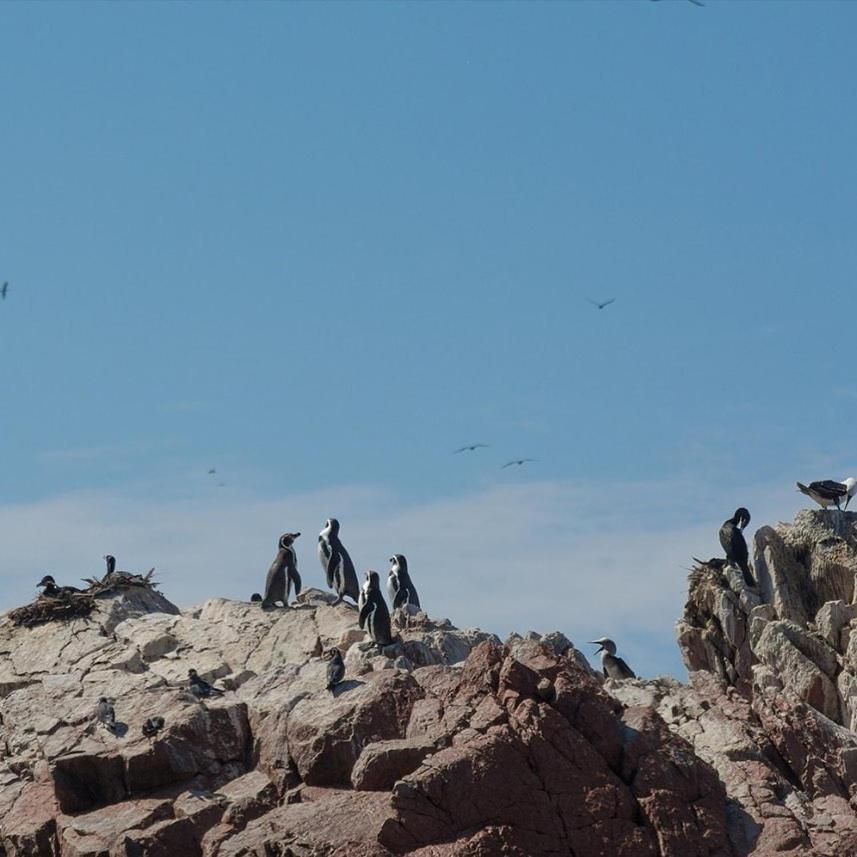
[(73, 604)]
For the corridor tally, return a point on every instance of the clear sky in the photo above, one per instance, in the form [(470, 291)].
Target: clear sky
[(320, 246)]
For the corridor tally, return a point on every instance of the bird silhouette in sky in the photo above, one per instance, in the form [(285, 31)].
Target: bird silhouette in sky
[(472, 447), (601, 304), (518, 461), (3, 291), (211, 471), (695, 2)]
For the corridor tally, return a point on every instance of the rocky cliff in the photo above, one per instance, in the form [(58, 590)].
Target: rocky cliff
[(448, 743)]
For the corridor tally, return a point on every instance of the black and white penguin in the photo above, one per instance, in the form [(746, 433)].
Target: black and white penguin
[(152, 726), (199, 687), (400, 588), (51, 589), (256, 596), (733, 542), (829, 493), (336, 563), (283, 573), (375, 616), (111, 564), (364, 591), (335, 669), (612, 666), (105, 714)]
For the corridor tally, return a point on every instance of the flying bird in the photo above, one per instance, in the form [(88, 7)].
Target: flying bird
[(695, 2), (829, 493), (613, 667), (518, 461), (472, 447), (211, 471), (601, 304), (3, 291)]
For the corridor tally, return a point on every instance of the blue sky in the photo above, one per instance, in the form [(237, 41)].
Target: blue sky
[(319, 246)]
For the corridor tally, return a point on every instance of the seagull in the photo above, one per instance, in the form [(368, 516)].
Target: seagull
[(518, 461), (829, 493), (4, 290), (601, 304), (613, 667), (472, 447)]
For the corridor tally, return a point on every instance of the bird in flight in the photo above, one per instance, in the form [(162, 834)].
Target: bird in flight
[(211, 471), (695, 2), (3, 290), (472, 447), (601, 304), (518, 461)]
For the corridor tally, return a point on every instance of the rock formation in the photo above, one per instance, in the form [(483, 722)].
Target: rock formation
[(449, 742)]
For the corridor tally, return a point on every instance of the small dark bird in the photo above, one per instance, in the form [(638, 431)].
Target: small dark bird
[(4, 290), (612, 666), (335, 669), (472, 447), (105, 714), (111, 564), (152, 726), (221, 484), (518, 461), (211, 471), (714, 562), (52, 590), (601, 304), (733, 542), (255, 597), (695, 2), (200, 688)]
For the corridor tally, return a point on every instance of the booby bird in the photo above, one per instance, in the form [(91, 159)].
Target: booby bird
[(518, 461), (400, 587), (375, 616), (612, 666), (601, 304), (105, 714), (829, 493), (52, 590), (199, 687), (335, 669), (733, 542), (152, 726), (472, 447), (283, 573), (336, 562)]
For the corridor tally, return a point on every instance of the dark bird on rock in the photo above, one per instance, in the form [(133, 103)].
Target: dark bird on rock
[(255, 597), (601, 304), (472, 447), (335, 669), (52, 590), (518, 462), (829, 493), (111, 564), (336, 562), (714, 562), (612, 666), (4, 290), (105, 714), (200, 688), (733, 542), (152, 726)]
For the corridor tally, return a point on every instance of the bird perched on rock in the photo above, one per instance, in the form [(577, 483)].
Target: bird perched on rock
[(255, 597), (105, 714), (283, 573), (111, 564), (51, 589), (374, 615), (612, 666), (200, 688), (335, 669), (336, 562), (829, 493), (152, 726), (733, 542), (400, 588)]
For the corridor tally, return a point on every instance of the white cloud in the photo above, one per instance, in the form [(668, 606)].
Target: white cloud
[(587, 559)]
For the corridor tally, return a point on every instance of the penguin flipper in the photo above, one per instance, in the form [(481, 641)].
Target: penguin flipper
[(364, 612), (296, 581), (403, 595)]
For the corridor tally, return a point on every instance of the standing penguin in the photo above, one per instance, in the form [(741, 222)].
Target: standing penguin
[(733, 542), (335, 669), (400, 587), (375, 616), (111, 564), (336, 562), (283, 573)]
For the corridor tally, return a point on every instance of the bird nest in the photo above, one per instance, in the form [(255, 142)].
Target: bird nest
[(77, 604)]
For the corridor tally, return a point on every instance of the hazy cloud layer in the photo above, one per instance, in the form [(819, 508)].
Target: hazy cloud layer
[(587, 559)]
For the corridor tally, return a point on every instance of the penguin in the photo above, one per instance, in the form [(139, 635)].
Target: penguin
[(53, 591), (400, 588), (105, 714), (283, 573), (733, 542), (375, 616), (152, 726), (335, 669), (829, 493), (364, 590), (336, 563), (255, 597), (200, 688), (612, 666), (111, 564)]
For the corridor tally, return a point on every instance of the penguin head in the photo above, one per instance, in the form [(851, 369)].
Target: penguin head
[(255, 597), (47, 580), (191, 673), (286, 540), (604, 644), (398, 563), (111, 563), (334, 654), (373, 579), (331, 527), (741, 518)]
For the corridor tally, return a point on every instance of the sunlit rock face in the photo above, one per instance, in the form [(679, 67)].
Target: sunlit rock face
[(448, 742)]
